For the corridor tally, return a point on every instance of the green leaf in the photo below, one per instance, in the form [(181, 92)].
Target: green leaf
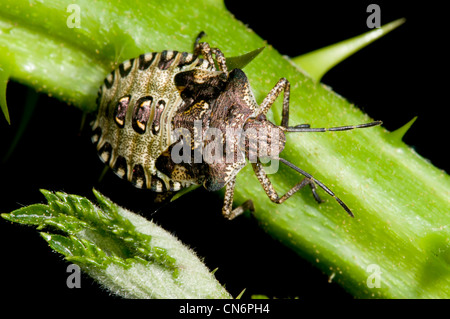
[(35, 214), (124, 252), (320, 61), (67, 246)]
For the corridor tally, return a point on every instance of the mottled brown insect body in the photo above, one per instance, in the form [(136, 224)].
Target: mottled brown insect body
[(147, 103)]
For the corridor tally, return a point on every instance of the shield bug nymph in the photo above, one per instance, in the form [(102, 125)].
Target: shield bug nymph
[(142, 113), (136, 105)]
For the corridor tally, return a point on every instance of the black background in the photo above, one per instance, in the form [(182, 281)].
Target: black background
[(394, 79)]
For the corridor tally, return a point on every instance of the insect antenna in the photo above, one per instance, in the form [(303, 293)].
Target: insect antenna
[(325, 188), (307, 128)]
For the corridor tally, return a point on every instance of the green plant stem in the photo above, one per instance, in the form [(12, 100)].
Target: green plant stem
[(399, 199)]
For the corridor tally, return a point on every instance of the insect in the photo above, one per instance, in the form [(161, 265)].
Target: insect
[(136, 105), (148, 101)]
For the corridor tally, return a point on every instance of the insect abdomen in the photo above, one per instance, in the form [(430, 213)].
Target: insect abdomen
[(134, 123)]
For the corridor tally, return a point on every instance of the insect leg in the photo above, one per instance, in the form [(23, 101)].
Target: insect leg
[(203, 48), (282, 85), (227, 209), (197, 50), (313, 190), (270, 190), (221, 60), (319, 183)]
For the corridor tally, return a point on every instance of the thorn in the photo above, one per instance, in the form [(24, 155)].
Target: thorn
[(184, 191), (102, 175), (397, 135), (239, 62), (83, 122), (320, 61), (4, 78), (240, 295)]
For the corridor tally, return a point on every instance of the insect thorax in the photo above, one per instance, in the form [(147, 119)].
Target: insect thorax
[(136, 105)]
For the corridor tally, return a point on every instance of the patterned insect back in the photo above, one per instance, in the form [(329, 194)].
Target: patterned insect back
[(136, 105)]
